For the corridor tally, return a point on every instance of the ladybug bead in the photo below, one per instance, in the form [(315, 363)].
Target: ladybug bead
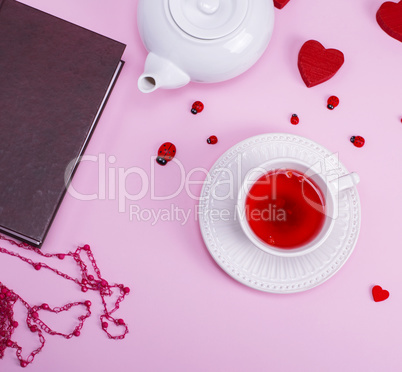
[(332, 102), (358, 141), (294, 119), (212, 140), (197, 107), (166, 153)]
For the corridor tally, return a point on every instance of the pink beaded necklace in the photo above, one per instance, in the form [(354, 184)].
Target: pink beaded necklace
[(87, 282)]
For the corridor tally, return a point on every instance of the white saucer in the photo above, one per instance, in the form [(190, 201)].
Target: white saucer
[(235, 253)]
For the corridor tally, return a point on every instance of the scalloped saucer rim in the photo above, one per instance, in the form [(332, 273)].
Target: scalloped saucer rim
[(243, 271)]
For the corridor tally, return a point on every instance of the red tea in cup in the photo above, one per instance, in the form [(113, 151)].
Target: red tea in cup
[(285, 209)]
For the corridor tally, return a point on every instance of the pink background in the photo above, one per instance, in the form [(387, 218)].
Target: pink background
[(184, 312)]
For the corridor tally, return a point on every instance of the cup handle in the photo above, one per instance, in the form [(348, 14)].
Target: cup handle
[(345, 182)]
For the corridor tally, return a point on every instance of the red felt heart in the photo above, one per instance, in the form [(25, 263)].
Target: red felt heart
[(379, 294), (389, 17), (317, 64), (280, 3)]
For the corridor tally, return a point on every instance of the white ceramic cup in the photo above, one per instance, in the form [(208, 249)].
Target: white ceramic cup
[(330, 188)]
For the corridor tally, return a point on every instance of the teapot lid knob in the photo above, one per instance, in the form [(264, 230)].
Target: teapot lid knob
[(208, 19), (208, 6)]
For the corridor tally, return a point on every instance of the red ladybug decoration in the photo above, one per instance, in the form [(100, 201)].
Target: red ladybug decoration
[(358, 141), (166, 153), (294, 119), (212, 140), (332, 102), (197, 107)]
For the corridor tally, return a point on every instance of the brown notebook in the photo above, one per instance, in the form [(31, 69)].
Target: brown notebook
[(55, 78)]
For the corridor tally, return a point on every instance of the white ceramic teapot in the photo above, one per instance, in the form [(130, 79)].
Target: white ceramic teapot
[(201, 40)]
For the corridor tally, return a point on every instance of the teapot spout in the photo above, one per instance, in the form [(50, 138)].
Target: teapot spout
[(161, 73)]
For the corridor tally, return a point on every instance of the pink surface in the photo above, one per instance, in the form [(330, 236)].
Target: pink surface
[(184, 312)]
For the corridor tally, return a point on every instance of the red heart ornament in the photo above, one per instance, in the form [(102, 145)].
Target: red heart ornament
[(317, 64), (280, 3), (379, 294), (389, 17)]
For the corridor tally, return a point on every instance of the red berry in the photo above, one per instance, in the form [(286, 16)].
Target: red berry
[(294, 119), (212, 140), (332, 102), (358, 141), (197, 107)]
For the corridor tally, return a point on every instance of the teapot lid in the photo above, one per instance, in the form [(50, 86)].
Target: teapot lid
[(208, 19)]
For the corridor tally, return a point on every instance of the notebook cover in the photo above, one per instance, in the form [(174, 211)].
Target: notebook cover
[(54, 76)]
